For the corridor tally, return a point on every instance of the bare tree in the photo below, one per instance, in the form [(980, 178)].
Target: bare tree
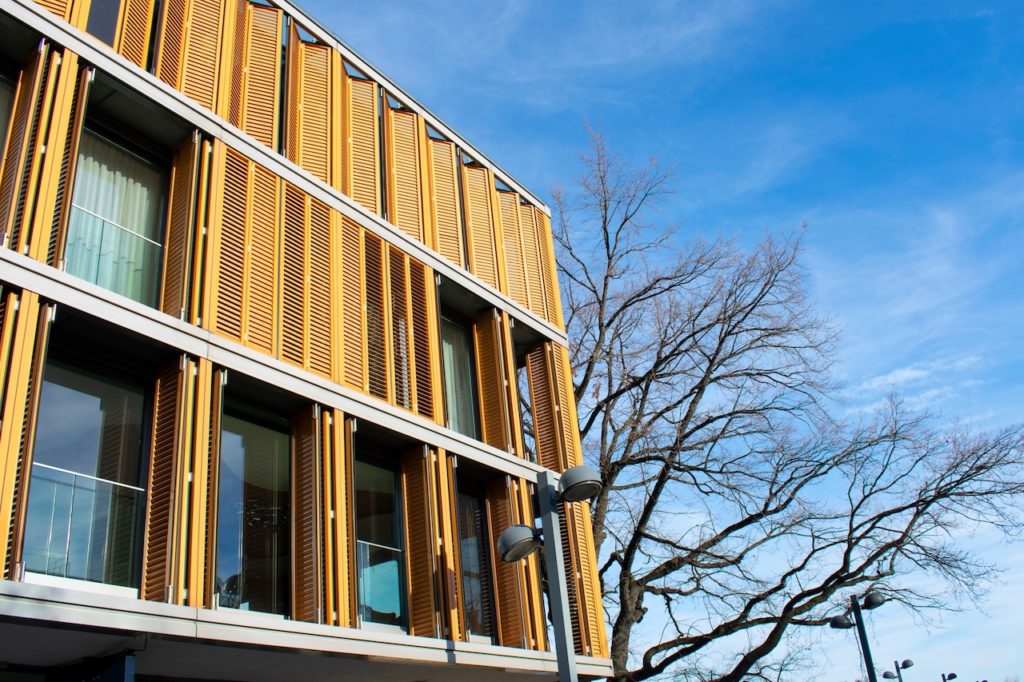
[(738, 508)]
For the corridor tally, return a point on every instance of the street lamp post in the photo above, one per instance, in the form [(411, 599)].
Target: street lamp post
[(872, 600), (518, 542), (948, 676), (890, 675)]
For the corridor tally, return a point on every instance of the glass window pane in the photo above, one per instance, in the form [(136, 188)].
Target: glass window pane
[(380, 556), (460, 394), (103, 19), (85, 492), (115, 229), (253, 530)]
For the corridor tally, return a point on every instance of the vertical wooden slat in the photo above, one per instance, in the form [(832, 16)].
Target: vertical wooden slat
[(533, 590), (199, 448), (491, 393), (453, 625), (69, 162), (513, 247), (329, 492), (377, 383), (401, 332), (405, 168), (220, 377), (354, 318), (200, 71), (477, 184), (165, 513), (347, 548), (180, 231), (362, 148), (132, 37), (447, 213), (508, 595), (25, 336), (421, 555), (307, 576)]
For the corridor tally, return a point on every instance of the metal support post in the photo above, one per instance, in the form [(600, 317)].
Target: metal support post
[(558, 592), (862, 633)]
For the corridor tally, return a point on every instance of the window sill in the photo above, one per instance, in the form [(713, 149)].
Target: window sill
[(80, 585)]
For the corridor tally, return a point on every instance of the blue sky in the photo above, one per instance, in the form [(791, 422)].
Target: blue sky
[(896, 130)]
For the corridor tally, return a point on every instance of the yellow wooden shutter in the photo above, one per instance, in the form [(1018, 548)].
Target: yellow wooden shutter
[(61, 206), (587, 613), (263, 266), (293, 278), (511, 392), (513, 247), (403, 136), (566, 405), (444, 190), (134, 25), (24, 326), (453, 625), (477, 185), (533, 590), (337, 521), (207, 398), (260, 77), (508, 594), (490, 370), (548, 269), (209, 197), (312, 131), (321, 307), (163, 574), (62, 8), (546, 429), (421, 556), (531, 260), (354, 317), (362, 148), (376, 318), (171, 40), (32, 95), (228, 248), (191, 45), (180, 233), (307, 551), (401, 329), (422, 302), (209, 531)]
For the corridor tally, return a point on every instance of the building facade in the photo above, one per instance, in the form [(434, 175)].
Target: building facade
[(281, 355)]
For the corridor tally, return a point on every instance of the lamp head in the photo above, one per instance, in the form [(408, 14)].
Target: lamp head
[(951, 676), (518, 542), (872, 600), (907, 663), (841, 622), (889, 675), (579, 483)]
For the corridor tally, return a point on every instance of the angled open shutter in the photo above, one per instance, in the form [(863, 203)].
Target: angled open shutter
[(421, 556), (586, 611), (404, 133), (207, 396), (531, 260), (446, 213), (376, 318), (401, 332), (362, 144), (424, 340), (61, 202), (511, 386), (546, 428), (24, 332), (453, 625), (191, 44), (477, 186), (354, 310), (134, 25), (508, 589), (339, 567), (490, 370), (209, 531), (307, 530), (311, 130), (533, 589), (512, 237), (31, 96), (180, 232), (548, 270), (163, 574), (62, 8), (256, 72), (566, 405)]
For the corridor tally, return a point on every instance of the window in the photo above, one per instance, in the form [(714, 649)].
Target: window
[(86, 494), (380, 557), (6, 102), (253, 530), (476, 566), (459, 384), (103, 19), (115, 230)]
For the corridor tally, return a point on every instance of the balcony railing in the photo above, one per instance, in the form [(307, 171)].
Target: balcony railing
[(82, 527), (381, 591)]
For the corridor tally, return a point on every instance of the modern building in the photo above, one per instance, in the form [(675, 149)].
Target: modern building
[(281, 355)]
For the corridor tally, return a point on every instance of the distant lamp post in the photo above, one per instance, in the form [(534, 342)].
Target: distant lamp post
[(948, 676), (515, 543), (890, 675), (872, 600)]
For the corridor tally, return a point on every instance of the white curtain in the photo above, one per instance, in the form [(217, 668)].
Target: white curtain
[(115, 228)]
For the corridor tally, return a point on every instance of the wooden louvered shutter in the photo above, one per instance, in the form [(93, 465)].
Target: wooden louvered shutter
[(401, 341), (262, 272), (446, 216), (477, 185), (307, 530), (354, 309), (531, 260), (21, 151), (311, 130), (163, 574), (180, 232), (256, 73), (533, 589), (453, 615), (566, 405), (61, 206), (132, 37), (321, 307), (62, 8), (294, 307), (508, 594), (490, 371), (549, 273), (404, 132), (362, 147), (513, 247), (207, 397), (220, 379), (339, 566), (421, 556), (24, 327), (424, 339), (227, 245), (376, 318), (190, 47), (171, 40), (546, 428), (586, 611), (511, 386)]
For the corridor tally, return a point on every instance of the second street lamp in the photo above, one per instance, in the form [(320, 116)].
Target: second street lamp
[(890, 675)]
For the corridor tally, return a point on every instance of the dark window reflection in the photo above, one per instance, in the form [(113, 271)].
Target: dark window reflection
[(253, 502), (475, 561), (379, 545), (103, 19)]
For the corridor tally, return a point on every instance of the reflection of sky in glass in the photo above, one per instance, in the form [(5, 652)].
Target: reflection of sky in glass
[(229, 510), (69, 433)]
